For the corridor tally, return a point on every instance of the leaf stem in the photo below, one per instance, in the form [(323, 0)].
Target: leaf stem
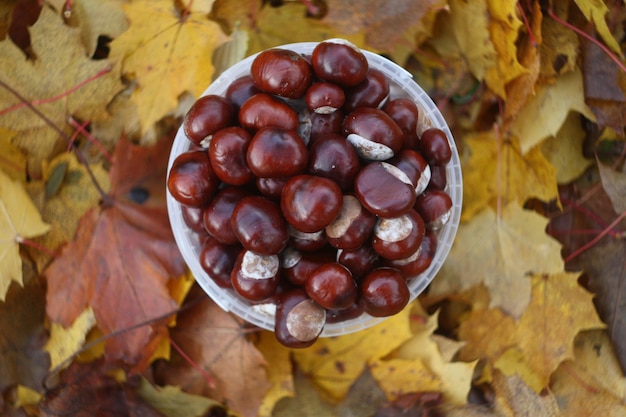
[(81, 157), (36, 245), (197, 367), (81, 128), (531, 35), (596, 239)]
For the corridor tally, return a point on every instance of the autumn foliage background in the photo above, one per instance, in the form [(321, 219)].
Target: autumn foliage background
[(98, 315)]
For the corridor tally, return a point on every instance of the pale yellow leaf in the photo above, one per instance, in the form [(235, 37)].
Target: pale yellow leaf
[(596, 11), (279, 373), (64, 343)]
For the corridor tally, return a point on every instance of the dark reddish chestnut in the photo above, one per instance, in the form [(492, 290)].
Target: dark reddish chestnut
[(219, 260), (405, 113), (339, 62), (359, 261), (384, 190), (435, 147), (227, 152), (192, 216), (282, 72), (206, 116), (413, 164), (331, 286), (262, 110), (192, 180), (324, 97), (259, 225), (299, 320), (384, 292), (271, 187), (373, 133), (310, 203), (353, 227), (371, 92), (435, 207), (240, 90), (217, 215), (307, 242), (254, 276), (438, 177), (420, 260), (332, 157), (275, 152), (298, 266), (398, 237), (322, 124), (352, 312)]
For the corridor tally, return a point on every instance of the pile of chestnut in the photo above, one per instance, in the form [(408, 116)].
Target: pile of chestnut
[(311, 189)]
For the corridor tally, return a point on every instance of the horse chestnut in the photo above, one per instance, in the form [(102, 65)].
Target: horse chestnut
[(282, 72), (259, 226), (299, 320)]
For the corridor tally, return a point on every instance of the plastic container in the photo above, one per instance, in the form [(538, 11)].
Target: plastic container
[(402, 85)]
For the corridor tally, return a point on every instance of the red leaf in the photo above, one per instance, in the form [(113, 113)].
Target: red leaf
[(122, 257)]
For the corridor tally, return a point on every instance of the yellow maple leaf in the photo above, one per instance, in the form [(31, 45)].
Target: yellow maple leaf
[(64, 343), (19, 219), (544, 334), (592, 383), (502, 253), (167, 54), (418, 365), (595, 11), (497, 170), (334, 363), (279, 373)]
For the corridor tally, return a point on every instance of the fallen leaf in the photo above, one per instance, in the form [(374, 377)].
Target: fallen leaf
[(614, 184), (544, 115), (50, 81), (166, 55), (76, 193), (560, 46), (605, 86), (19, 219), (23, 335), (12, 160), (413, 404), (418, 365), (591, 383), (565, 150), (502, 253), (595, 11), (279, 373), (173, 402), (216, 342), (516, 398), (544, 334), (87, 390), (63, 343), (496, 170), (334, 363), (122, 257)]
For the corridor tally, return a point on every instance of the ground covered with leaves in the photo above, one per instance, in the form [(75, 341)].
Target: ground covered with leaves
[(99, 316)]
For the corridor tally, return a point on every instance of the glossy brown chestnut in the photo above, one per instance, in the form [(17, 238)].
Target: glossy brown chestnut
[(371, 92), (420, 260), (307, 242), (359, 261), (332, 157), (206, 116), (324, 97), (255, 277), (384, 190), (298, 266), (299, 320), (219, 260), (192, 216), (275, 152), (398, 237), (192, 180), (217, 215), (384, 292), (438, 177), (227, 152), (349, 313), (331, 286), (353, 227), (435, 147), (405, 113), (435, 207), (282, 72), (413, 164), (271, 187), (322, 124), (240, 90), (263, 110), (373, 133), (339, 62), (310, 203), (259, 225)]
